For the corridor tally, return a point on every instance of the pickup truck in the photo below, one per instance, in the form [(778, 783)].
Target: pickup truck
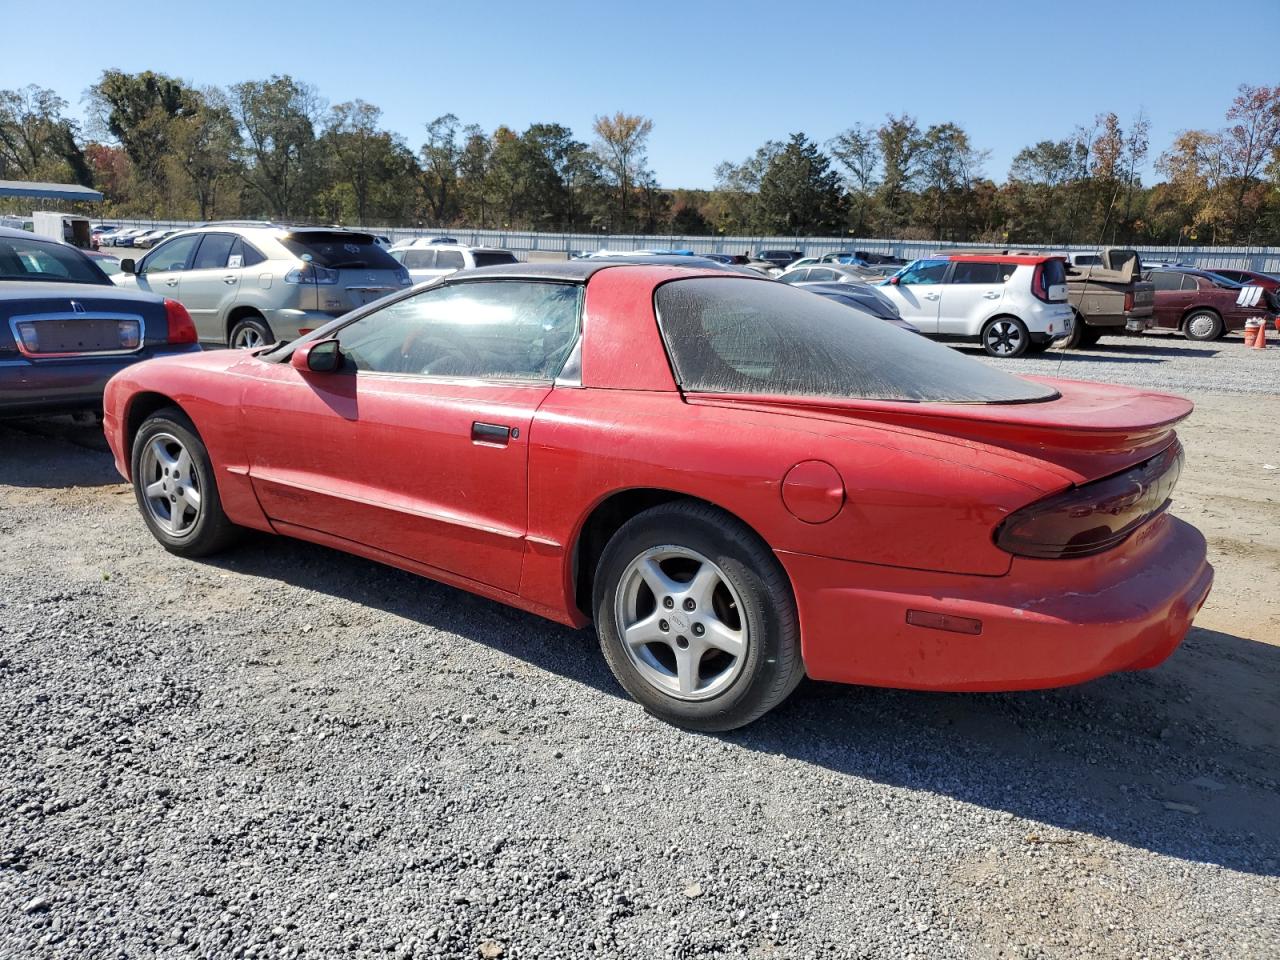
[(1109, 297)]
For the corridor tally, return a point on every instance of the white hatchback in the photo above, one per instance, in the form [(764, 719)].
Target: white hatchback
[(1010, 304)]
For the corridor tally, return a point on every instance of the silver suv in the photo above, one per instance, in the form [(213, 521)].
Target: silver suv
[(246, 286)]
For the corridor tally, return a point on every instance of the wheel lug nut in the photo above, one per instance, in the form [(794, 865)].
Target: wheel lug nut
[(689, 604), (664, 626), (699, 629), (668, 602)]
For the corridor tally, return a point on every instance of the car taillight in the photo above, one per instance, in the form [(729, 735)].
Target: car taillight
[(1128, 301), (1038, 289), (181, 329), (312, 273), (1094, 517)]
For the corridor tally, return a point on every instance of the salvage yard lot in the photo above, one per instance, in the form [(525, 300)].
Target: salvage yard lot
[(287, 751)]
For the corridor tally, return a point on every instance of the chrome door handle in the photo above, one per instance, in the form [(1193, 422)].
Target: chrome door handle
[(931, 296), (230, 279), (172, 281), (991, 295)]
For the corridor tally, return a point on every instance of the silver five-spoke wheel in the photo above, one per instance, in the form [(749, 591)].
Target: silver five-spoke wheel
[(171, 485), (247, 338), (681, 622)]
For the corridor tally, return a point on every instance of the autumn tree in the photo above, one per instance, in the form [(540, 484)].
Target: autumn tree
[(621, 142)]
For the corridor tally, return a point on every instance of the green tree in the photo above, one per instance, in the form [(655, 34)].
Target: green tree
[(277, 120), (137, 110), (36, 141), (799, 192)]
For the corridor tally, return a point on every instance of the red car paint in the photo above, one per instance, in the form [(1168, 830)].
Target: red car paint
[(1199, 292), (878, 511)]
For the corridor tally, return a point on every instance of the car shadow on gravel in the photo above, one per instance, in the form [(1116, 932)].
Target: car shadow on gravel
[(41, 453), (1182, 760), (1105, 758)]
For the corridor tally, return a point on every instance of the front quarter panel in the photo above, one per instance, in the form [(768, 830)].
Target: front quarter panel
[(207, 387)]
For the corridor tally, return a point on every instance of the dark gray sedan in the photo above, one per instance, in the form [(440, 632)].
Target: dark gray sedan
[(65, 328)]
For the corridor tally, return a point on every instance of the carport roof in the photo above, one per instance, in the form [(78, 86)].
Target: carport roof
[(48, 191)]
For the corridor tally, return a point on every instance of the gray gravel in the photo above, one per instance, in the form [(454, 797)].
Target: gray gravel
[(291, 752), (1160, 361)]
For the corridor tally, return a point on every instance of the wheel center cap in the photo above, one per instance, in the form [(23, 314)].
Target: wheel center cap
[(679, 621)]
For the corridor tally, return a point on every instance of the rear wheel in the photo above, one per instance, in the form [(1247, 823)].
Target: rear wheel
[(1005, 337), (249, 333), (174, 484), (1202, 325), (696, 618)]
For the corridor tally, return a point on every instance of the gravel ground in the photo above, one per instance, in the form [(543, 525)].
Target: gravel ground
[(290, 752), (1160, 361)]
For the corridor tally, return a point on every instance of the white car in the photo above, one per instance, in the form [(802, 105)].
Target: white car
[(427, 258), (1011, 304)]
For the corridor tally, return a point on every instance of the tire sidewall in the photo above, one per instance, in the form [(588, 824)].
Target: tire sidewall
[(1022, 329), (252, 320), (1214, 333), (770, 620), (205, 530)]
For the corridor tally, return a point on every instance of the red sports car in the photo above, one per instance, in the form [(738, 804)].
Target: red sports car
[(739, 482)]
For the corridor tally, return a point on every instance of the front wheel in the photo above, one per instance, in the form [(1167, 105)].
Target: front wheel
[(696, 618), (1203, 325), (174, 483), (1005, 337)]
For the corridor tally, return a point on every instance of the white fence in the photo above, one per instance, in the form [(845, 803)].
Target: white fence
[(1265, 259)]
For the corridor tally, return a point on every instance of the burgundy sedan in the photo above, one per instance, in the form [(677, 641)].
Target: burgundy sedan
[(1205, 306)]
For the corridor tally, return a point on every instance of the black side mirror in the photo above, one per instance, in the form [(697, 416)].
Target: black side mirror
[(129, 265), (322, 356)]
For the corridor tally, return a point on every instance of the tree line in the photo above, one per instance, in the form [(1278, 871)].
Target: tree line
[(158, 147)]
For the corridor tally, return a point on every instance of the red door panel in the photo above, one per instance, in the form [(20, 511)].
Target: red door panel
[(419, 468)]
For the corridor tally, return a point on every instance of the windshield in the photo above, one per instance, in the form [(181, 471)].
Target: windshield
[(340, 250), (23, 259), (739, 336)]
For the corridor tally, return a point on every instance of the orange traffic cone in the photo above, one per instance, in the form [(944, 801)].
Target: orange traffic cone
[(1258, 340)]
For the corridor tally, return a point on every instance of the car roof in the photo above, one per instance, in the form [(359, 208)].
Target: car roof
[(583, 270)]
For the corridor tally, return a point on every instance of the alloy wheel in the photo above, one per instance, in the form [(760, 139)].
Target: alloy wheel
[(1201, 326), (681, 623), (171, 485), (247, 338), (1004, 337)]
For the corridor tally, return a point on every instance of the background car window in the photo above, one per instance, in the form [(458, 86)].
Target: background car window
[(741, 336), (213, 252), (1189, 282), (340, 249), (979, 273), (823, 274), (493, 258), (796, 276), (23, 259), (502, 330), (449, 260), (925, 271), (1163, 280), (249, 255), (419, 259), (171, 255)]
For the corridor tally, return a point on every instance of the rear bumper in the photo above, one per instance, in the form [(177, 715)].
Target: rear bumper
[(52, 386), (287, 322), (1046, 623)]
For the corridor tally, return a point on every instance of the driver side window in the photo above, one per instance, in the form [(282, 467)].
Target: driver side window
[(494, 330), (173, 255), (925, 271)]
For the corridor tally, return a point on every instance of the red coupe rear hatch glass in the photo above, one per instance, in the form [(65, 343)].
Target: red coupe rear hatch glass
[(740, 336)]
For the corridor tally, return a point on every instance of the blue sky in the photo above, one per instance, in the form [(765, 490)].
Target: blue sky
[(718, 78)]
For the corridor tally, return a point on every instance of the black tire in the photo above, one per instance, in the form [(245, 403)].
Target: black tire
[(1202, 325), (1005, 337), (771, 665), (248, 332), (1038, 346), (1090, 336), (210, 530)]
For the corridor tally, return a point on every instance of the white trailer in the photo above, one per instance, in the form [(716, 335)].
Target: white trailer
[(67, 227)]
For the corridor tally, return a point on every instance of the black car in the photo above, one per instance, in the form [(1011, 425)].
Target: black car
[(65, 328), (781, 258)]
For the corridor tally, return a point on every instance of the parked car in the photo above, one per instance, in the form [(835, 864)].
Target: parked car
[(1205, 306), (864, 297), (1011, 304), (65, 328), (105, 262), (828, 273), (126, 238), (249, 286), (147, 240), (1250, 278), (428, 259), (787, 477), (780, 258)]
